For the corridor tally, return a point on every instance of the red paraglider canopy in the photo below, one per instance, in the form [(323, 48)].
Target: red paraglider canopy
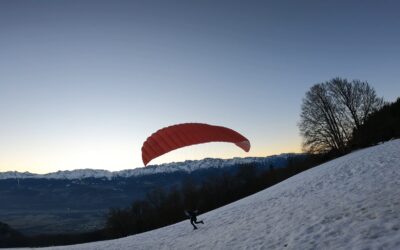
[(186, 134)]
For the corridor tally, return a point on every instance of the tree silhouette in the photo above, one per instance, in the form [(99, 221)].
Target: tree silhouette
[(332, 110)]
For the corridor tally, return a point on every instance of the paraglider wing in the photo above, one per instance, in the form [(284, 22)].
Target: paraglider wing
[(182, 135)]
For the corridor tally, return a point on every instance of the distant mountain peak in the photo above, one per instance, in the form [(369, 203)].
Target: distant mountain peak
[(187, 166)]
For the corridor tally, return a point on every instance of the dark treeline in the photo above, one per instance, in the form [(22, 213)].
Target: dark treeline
[(161, 208), (164, 207), (11, 238), (380, 126)]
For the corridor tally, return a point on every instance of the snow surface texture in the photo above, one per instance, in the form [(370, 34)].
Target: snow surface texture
[(352, 202)]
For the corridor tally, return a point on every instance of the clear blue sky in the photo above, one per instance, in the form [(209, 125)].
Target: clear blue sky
[(84, 83)]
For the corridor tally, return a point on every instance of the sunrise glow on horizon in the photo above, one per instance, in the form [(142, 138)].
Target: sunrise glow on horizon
[(114, 158)]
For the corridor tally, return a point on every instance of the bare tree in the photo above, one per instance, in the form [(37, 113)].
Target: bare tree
[(332, 110)]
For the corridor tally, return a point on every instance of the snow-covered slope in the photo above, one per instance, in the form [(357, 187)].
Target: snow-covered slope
[(352, 202), (187, 166)]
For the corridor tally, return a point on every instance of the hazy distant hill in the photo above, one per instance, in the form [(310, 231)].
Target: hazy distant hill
[(8, 234), (58, 202)]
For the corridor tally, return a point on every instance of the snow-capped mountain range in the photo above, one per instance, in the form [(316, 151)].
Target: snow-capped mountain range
[(187, 166)]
